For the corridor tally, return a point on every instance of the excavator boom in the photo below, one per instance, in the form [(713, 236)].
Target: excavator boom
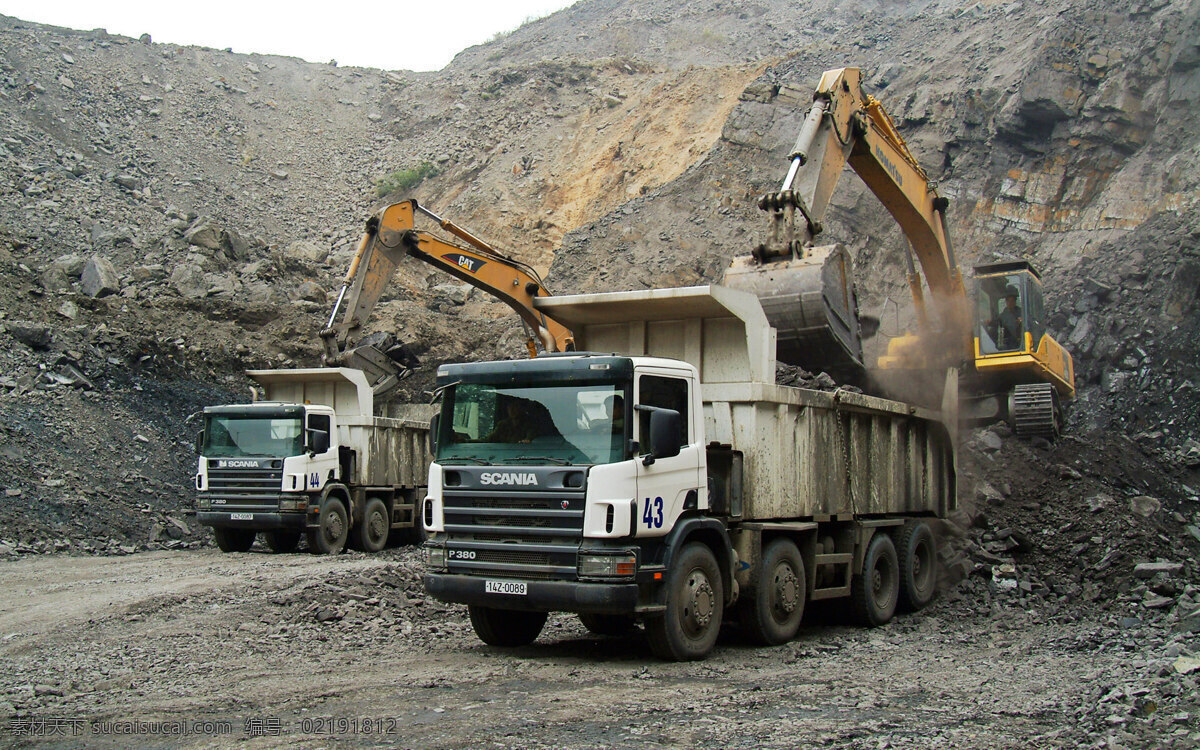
[(846, 126), (390, 236)]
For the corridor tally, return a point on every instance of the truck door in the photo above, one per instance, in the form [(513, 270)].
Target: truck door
[(666, 484), (324, 464)]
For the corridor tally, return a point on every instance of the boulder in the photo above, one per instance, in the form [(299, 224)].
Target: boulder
[(33, 335), (54, 279), (204, 233), (307, 251), (455, 293), (188, 280), (99, 278), (311, 291), (1144, 505), (72, 265)]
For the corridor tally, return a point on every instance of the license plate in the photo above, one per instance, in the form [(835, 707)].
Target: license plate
[(515, 588), (241, 516)]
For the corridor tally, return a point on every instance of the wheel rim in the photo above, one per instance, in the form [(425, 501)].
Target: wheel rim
[(785, 592), (333, 527), (699, 603), (377, 527)]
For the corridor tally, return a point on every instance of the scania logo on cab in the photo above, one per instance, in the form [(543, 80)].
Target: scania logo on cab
[(236, 464), (508, 477)]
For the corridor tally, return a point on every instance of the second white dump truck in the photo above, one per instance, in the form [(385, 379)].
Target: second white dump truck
[(313, 459), (669, 479)]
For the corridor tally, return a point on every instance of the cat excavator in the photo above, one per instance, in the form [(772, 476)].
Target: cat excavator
[(1002, 364), (390, 236)]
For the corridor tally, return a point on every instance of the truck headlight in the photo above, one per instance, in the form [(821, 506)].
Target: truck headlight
[(202, 503), (435, 557), (293, 504), (607, 566)]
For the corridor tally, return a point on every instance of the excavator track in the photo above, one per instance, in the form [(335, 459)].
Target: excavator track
[(1033, 410)]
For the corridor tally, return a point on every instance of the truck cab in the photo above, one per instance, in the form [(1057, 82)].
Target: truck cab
[(260, 463), (564, 472)]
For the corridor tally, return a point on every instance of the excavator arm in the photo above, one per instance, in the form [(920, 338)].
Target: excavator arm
[(844, 125), (390, 236)]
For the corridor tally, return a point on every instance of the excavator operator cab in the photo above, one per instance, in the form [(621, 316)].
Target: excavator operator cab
[(1010, 317)]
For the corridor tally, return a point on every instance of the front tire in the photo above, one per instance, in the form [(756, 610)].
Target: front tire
[(281, 542), (607, 624), (506, 627), (917, 549), (329, 537), (233, 540), (371, 534), (688, 629), (772, 610), (873, 595)]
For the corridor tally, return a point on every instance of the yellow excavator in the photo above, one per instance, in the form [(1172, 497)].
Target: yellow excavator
[(390, 236), (1010, 366)]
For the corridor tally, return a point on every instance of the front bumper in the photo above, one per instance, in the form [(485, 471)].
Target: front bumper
[(258, 520), (541, 596)]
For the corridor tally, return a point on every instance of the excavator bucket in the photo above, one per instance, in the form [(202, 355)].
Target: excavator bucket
[(812, 304)]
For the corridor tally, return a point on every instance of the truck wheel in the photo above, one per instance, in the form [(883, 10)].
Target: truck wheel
[(771, 611), (506, 627), (282, 541), (233, 540), (873, 594), (371, 534), (917, 549), (416, 535), (330, 535), (607, 624), (688, 629)]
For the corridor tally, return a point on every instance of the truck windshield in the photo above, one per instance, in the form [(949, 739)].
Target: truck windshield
[(227, 436), (573, 424)]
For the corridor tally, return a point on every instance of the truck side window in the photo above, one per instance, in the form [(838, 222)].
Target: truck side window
[(665, 393), (319, 422)]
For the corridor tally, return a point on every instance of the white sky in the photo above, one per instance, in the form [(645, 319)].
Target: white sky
[(401, 34)]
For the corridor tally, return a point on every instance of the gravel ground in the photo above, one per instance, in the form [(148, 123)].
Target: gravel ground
[(297, 650)]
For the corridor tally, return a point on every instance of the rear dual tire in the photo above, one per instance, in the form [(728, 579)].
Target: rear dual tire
[(771, 611), (916, 547), (875, 593), (371, 533)]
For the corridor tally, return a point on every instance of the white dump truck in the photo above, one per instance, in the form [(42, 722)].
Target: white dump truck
[(313, 458), (660, 475)]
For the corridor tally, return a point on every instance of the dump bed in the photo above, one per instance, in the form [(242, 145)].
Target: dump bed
[(388, 451), (806, 454)]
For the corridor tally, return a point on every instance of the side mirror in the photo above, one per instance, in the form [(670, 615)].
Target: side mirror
[(199, 442), (318, 440), (664, 433), (434, 423)]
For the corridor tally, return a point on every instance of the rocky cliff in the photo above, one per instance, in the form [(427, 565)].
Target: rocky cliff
[(171, 215)]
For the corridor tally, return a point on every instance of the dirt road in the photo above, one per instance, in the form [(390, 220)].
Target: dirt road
[(200, 649)]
